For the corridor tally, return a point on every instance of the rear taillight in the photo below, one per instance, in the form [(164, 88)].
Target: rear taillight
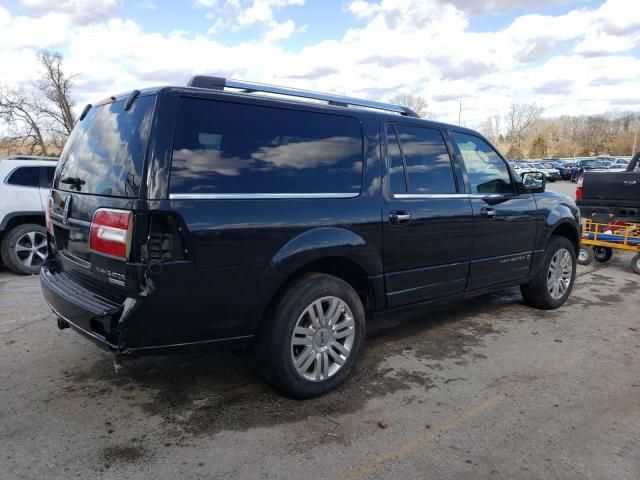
[(110, 233), (579, 188), (47, 215)]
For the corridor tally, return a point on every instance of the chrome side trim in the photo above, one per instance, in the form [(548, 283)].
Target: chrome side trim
[(254, 196), (406, 196)]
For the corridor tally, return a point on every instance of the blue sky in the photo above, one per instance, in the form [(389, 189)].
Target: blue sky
[(567, 56)]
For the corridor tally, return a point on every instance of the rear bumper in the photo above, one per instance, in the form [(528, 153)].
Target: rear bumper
[(93, 316)]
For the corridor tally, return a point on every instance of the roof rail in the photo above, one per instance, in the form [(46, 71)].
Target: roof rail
[(30, 157), (219, 83)]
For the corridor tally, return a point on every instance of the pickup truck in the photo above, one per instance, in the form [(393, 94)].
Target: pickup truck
[(614, 193)]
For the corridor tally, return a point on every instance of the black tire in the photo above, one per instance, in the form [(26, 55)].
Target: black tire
[(585, 256), (635, 263), (536, 292), (275, 351), (8, 249), (602, 254)]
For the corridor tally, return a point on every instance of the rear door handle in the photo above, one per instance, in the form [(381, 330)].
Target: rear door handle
[(397, 217), (630, 183), (488, 212)]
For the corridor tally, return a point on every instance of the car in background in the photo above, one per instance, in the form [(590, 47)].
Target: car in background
[(521, 168), (563, 169), (619, 165), (549, 171), (24, 189), (589, 165)]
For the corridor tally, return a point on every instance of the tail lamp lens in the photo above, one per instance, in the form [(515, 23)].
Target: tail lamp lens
[(110, 233), (579, 188)]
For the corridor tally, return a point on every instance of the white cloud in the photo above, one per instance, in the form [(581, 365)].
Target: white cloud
[(81, 11), (578, 62), (280, 31)]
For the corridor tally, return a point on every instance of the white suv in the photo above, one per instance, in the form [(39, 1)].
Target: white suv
[(24, 190)]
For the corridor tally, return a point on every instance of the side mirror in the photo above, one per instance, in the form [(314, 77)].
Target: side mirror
[(533, 182)]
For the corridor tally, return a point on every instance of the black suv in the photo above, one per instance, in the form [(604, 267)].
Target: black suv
[(182, 217)]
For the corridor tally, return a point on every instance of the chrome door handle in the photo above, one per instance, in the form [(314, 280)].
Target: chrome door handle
[(488, 212), (399, 217), (629, 183)]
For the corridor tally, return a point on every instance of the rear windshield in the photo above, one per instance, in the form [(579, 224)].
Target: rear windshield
[(105, 152), (226, 148)]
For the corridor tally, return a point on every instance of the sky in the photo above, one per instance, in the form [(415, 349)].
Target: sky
[(568, 56)]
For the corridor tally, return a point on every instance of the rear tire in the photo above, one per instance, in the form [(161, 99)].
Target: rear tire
[(296, 347), (602, 254), (635, 263), (24, 249), (585, 256), (552, 285)]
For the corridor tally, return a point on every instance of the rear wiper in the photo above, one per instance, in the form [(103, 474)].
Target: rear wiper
[(73, 182)]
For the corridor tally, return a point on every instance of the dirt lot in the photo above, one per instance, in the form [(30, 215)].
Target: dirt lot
[(488, 389)]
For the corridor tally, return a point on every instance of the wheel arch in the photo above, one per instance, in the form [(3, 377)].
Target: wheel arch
[(332, 251), (20, 218)]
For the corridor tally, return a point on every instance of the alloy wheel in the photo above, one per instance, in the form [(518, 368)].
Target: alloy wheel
[(31, 249), (560, 273), (322, 339)]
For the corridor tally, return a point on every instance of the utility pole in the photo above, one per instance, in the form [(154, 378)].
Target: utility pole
[(460, 115), (635, 138)]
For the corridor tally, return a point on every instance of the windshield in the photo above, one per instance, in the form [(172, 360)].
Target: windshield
[(539, 165), (105, 152)]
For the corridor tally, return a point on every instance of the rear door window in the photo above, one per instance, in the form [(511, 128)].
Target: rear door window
[(25, 177), (228, 148), (397, 181), (487, 172), (105, 152), (426, 159)]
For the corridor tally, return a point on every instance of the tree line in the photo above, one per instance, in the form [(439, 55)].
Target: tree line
[(523, 133)]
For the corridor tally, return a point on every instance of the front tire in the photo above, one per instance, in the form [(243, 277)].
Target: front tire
[(24, 249), (552, 285), (311, 341)]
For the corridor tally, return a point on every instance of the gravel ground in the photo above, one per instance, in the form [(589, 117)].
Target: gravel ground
[(485, 389)]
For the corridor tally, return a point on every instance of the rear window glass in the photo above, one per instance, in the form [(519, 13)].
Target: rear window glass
[(427, 160), (105, 152), (226, 148), (25, 177)]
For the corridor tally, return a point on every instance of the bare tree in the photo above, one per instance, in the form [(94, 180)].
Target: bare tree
[(491, 128), (414, 102), (23, 119), (39, 117), (519, 118), (56, 87)]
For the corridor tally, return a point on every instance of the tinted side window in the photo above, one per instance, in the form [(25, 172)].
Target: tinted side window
[(487, 172), (397, 181), (48, 176), (428, 164), (234, 148), (25, 177)]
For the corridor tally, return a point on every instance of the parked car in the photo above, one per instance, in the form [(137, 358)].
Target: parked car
[(550, 172), (182, 217), (619, 165), (581, 166), (614, 193), (521, 168), (564, 170), (24, 189)]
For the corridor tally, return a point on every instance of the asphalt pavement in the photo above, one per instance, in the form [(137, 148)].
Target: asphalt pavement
[(486, 388)]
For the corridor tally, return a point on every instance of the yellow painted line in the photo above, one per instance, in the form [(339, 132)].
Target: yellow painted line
[(417, 442), (412, 445)]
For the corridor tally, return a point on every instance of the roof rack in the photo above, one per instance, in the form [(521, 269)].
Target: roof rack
[(30, 157), (219, 83)]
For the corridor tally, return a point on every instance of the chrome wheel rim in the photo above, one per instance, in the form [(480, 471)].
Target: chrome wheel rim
[(322, 339), (583, 255), (560, 272), (31, 249)]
